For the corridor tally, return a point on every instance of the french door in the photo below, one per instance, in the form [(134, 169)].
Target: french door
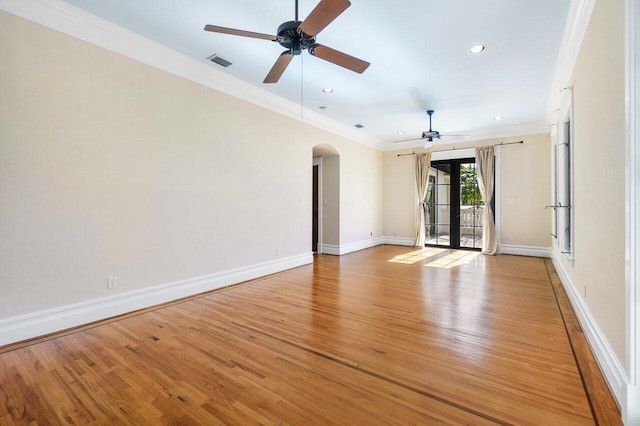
[(453, 205)]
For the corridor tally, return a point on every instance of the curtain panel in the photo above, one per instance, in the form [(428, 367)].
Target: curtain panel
[(486, 164), (422, 164)]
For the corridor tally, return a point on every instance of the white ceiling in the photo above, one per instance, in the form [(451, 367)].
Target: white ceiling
[(418, 52)]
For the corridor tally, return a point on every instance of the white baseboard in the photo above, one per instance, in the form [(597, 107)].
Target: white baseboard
[(607, 360), (398, 241), (351, 247), (28, 326), (525, 250)]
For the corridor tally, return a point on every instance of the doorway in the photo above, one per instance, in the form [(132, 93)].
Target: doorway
[(316, 206), (325, 213), (454, 208)]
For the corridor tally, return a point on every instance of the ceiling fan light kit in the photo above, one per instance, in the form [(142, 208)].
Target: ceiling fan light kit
[(296, 36)]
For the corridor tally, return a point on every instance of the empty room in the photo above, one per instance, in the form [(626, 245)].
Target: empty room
[(319, 212)]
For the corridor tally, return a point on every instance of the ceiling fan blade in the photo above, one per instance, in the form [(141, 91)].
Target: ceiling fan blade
[(408, 140), (278, 68), (334, 56), (325, 12), (233, 31)]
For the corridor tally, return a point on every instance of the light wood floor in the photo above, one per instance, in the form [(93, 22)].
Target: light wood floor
[(373, 337)]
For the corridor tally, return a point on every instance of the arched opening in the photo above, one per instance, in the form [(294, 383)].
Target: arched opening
[(326, 198)]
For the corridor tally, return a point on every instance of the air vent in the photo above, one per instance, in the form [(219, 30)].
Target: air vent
[(219, 60), (359, 126)]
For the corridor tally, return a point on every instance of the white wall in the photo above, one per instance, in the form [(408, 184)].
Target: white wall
[(109, 167)]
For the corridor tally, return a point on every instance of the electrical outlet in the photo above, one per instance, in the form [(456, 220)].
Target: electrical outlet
[(112, 282), (585, 290), (277, 252), (371, 233)]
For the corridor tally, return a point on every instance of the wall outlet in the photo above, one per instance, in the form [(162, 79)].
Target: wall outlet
[(371, 233), (112, 282), (584, 289), (277, 252)]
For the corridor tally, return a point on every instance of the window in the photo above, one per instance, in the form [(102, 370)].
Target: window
[(563, 223)]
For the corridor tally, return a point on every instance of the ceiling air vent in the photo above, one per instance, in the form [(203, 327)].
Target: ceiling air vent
[(219, 60)]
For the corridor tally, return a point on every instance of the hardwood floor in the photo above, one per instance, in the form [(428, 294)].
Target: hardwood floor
[(374, 337)]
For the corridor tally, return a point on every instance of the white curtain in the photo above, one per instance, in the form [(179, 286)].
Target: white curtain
[(422, 164), (486, 164)]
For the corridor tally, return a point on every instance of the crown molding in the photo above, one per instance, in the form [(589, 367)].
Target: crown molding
[(536, 128), (70, 20), (574, 30)]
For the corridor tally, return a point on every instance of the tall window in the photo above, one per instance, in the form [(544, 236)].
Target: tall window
[(563, 178)]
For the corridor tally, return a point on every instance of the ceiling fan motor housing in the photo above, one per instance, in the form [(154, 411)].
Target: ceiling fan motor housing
[(431, 134), (292, 39)]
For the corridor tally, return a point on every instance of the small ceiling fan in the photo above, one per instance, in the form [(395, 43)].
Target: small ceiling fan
[(430, 135), (297, 36)]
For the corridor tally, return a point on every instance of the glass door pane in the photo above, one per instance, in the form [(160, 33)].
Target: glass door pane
[(471, 207), (438, 210)]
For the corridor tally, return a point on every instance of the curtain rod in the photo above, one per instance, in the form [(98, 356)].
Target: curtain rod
[(455, 149)]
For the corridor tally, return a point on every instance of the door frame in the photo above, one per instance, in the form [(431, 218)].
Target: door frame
[(317, 161), (452, 154)]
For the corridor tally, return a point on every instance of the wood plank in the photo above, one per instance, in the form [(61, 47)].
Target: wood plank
[(604, 407), (389, 335)]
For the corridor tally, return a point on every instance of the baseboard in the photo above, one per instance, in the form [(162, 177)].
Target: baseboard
[(398, 241), (525, 250), (28, 326), (607, 360), (351, 247)]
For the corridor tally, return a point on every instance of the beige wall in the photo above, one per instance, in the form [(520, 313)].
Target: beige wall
[(111, 167), (361, 184), (525, 183), (599, 167), (399, 195), (331, 200), (524, 179)]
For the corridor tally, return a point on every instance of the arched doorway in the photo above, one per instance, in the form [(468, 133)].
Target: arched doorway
[(326, 198)]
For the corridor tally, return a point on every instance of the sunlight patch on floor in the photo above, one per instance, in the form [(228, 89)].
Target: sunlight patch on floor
[(454, 259), (416, 256)]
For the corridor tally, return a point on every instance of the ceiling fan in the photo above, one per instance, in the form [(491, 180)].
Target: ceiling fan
[(297, 36), (430, 135)]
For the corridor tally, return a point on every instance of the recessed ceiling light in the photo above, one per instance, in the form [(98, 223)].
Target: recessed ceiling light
[(322, 107), (359, 126), (476, 49), (401, 132), (498, 117), (327, 90)]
